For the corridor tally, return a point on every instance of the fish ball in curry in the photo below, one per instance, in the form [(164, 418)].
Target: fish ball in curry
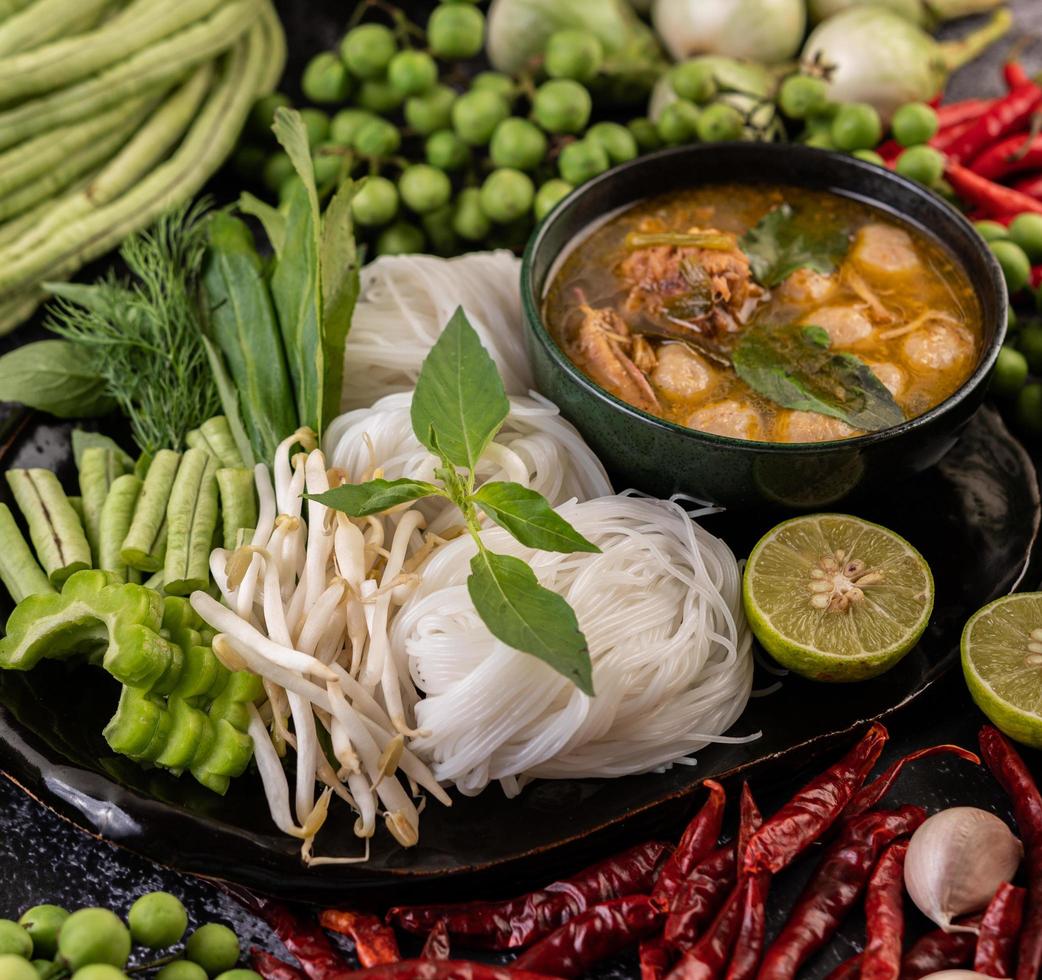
[(845, 325), (728, 418), (937, 346), (811, 427), (884, 250), (680, 372)]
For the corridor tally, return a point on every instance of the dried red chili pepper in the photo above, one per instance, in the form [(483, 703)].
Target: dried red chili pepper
[(752, 922), (835, 886), (1013, 776), (437, 946), (441, 970), (375, 943), (708, 957), (305, 941), (1012, 155), (1008, 114), (698, 839), (655, 959), (523, 920), (999, 932), (939, 950), (271, 967), (814, 808), (598, 933), (986, 195), (884, 916), (848, 969), (869, 796), (701, 897)]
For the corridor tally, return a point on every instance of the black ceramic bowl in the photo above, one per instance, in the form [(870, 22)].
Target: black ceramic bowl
[(662, 457)]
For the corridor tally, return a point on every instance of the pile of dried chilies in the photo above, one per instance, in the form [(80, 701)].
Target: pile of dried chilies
[(698, 911)]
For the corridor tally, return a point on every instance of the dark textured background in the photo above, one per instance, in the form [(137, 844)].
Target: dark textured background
[(43, 859)]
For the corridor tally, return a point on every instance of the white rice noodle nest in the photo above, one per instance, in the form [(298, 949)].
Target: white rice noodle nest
[(405, 302), (661, 610), (535, 447)]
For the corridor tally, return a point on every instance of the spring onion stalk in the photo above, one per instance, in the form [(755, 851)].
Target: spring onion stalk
[(54, 527), (71, 59), (99, 469), (144, 547), (19, 570), (191, 518), (238, 503), (247, 73), (117, 512), (43, 20), (20, 165), (144, 150), (44, 185), (163, 63)]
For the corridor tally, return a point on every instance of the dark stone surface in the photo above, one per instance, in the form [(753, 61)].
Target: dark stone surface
[(43, 859)]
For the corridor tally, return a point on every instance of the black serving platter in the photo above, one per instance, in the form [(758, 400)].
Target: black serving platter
[(975, 517)]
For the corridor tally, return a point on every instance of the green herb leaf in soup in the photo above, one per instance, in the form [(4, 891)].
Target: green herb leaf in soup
[(785, 240), (528, 617), (794, 367), (528, 516), (459, 395), (376, 496)]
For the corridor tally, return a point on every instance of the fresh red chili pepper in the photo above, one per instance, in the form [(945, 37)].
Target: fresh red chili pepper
[(698, 839), (939, 950), (1011, 155), (1008, 114), (1014, 74), (1013, 776), (752, 923), (986, 195), (1032, 186), (999, 931), (375, 943), (835, 886), (884, 916), (869, 796), (523, 920), (594, 935), (968, 110), (708, 957), (656, 960), (848, 969), (801, 821), (945, 138), (441, 970), (437, 946), (1035, 279), (271, 967), (305, 941), (701, 897)]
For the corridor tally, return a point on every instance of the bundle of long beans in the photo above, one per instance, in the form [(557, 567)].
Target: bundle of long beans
[(112, 112)]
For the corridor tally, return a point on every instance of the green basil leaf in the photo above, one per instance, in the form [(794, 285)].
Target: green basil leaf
[(524, 615), (54, 376), (529, 517), (783, 241), (83, 440), (459, 395), (374, 497), (789, 365)]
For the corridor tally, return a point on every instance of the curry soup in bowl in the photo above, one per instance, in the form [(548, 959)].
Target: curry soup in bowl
[(706, 336)]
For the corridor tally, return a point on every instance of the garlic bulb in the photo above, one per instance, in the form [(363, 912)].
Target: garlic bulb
[(956, 860)]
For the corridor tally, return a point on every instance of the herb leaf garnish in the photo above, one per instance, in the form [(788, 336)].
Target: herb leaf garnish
[(529, 518), (783, 241), (794, 367), (523, 614), (459, 395), (457, 408)]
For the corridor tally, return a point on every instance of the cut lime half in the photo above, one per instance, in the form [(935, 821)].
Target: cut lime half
[(1002, 661), (836, 598)]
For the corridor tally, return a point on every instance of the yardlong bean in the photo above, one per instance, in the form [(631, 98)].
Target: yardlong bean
[(99, 469), (54, 526), (145, 545), (191, 518), (19, 570), (117, 512), (43, 20)]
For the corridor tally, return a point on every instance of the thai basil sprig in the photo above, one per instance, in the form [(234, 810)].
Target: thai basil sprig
[(458, 407)]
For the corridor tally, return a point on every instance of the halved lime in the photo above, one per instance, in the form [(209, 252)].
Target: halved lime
[(836, 598), (1002, 661)]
